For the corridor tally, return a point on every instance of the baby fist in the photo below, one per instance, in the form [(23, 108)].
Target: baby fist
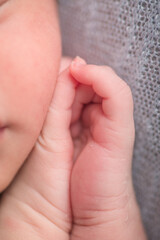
[(102, 196)]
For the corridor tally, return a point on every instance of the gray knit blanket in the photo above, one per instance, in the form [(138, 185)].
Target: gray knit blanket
[(125, 34)]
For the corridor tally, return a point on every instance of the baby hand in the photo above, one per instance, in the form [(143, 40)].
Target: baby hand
[(37, 204), (102, 196)]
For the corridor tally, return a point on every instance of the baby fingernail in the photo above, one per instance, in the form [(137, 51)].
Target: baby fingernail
[(80, 60), (77, 62)]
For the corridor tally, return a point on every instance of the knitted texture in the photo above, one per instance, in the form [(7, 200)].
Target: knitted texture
[(125, 35)]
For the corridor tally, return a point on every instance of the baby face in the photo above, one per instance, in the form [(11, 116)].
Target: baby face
[(30, 51)]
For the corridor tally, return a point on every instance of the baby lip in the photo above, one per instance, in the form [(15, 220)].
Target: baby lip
[(2, 130), (2, 126)]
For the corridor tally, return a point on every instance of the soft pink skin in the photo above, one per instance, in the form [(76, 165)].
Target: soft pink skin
[(37, 205), (99, 187), (30, 50), (102, 195)]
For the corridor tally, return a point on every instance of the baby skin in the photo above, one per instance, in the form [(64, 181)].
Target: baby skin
[(76, 183)]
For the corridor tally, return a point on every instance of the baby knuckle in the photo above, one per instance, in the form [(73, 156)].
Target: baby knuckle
[(125, 89), (108, 69)]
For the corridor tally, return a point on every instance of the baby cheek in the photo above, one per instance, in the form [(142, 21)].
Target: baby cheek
[(36, 93), (29, 85), (32, 99), (38, 99), (30, 65)]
